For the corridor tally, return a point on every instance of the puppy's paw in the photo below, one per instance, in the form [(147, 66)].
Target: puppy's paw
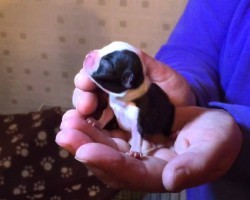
[(95, 123), (135, 154)]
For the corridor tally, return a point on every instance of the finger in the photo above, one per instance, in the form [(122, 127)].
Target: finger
[(203, 146), (71, 113), (84, 102), (72, 119), (184, 172), (83, 82), (157, 71), (96, 135), (83, 126), (122, 146), (121, 169), (169, 80), (200, 163), (164, 154), (119, 133), (72, 139)]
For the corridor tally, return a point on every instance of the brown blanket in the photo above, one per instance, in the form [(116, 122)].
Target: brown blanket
[(32, 166)]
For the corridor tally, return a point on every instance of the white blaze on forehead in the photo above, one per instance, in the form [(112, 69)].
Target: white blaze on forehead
[(117, 46)]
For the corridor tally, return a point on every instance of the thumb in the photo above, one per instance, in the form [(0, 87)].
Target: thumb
[(156, 71), (187, 170), (169, 80)]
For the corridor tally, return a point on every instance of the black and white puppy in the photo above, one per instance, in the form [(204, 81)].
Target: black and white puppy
[(140, 107)]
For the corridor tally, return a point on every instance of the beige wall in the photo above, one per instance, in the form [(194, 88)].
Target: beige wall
[(43, 42)]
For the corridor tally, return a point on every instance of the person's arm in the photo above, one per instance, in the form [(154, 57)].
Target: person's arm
[(193, 48)]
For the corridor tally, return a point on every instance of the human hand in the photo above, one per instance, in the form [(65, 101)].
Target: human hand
[(104, 152), (207, 144)]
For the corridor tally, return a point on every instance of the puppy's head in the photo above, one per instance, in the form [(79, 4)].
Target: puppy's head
[(116, 68)]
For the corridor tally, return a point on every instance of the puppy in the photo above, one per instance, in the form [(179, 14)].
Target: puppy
[(140, 107)]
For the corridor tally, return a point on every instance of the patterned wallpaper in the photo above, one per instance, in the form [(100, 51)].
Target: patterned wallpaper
[(43, 42)]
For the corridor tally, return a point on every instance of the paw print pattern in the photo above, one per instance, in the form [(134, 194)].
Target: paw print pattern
[(76, 187), (63, 153), (66, 172), (37, 123), (6, 162), (22, 149), (36, 116), (2, 181), (55, 198), (8, 119), (35, 196), (21, 189), (93, 190), (90, 173), (39, 186), (73, 188), (27, 172), (41, 139), (16, 138), (47, 163), (12, 129), (57, 129)]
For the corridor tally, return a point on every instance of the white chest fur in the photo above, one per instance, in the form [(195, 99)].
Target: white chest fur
[(126, 113)]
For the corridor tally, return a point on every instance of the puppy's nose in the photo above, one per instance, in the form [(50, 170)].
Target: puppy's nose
[(90, 60)]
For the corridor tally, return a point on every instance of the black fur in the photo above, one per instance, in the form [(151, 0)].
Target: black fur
[(119, 71), (156, 113)]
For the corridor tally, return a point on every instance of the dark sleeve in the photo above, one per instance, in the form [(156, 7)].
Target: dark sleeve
[(193, 48)]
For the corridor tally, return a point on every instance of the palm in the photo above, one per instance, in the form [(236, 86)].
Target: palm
[(200, 150)]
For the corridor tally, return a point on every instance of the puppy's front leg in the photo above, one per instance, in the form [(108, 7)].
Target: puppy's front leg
[(106, 117), (136, 143)]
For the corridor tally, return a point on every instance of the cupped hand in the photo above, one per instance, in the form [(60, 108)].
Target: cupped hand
[(208, 141)]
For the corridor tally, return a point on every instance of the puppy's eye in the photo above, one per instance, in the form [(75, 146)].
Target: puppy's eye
[(127, 79)]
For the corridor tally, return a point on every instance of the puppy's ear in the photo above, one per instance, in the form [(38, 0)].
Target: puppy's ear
[(127, 79)]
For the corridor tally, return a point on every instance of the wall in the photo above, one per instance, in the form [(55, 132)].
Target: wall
[(43, 42)]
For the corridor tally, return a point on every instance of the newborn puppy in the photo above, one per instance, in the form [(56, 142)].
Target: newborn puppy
[(140, 107)]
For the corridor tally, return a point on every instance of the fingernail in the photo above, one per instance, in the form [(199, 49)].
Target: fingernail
[(61, 140), (64, 145), (75, 100), (80, 159), (80, 156), (76, 103), (76, 79)]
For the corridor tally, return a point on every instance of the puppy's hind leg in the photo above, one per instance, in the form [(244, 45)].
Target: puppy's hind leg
[(106, 117)]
